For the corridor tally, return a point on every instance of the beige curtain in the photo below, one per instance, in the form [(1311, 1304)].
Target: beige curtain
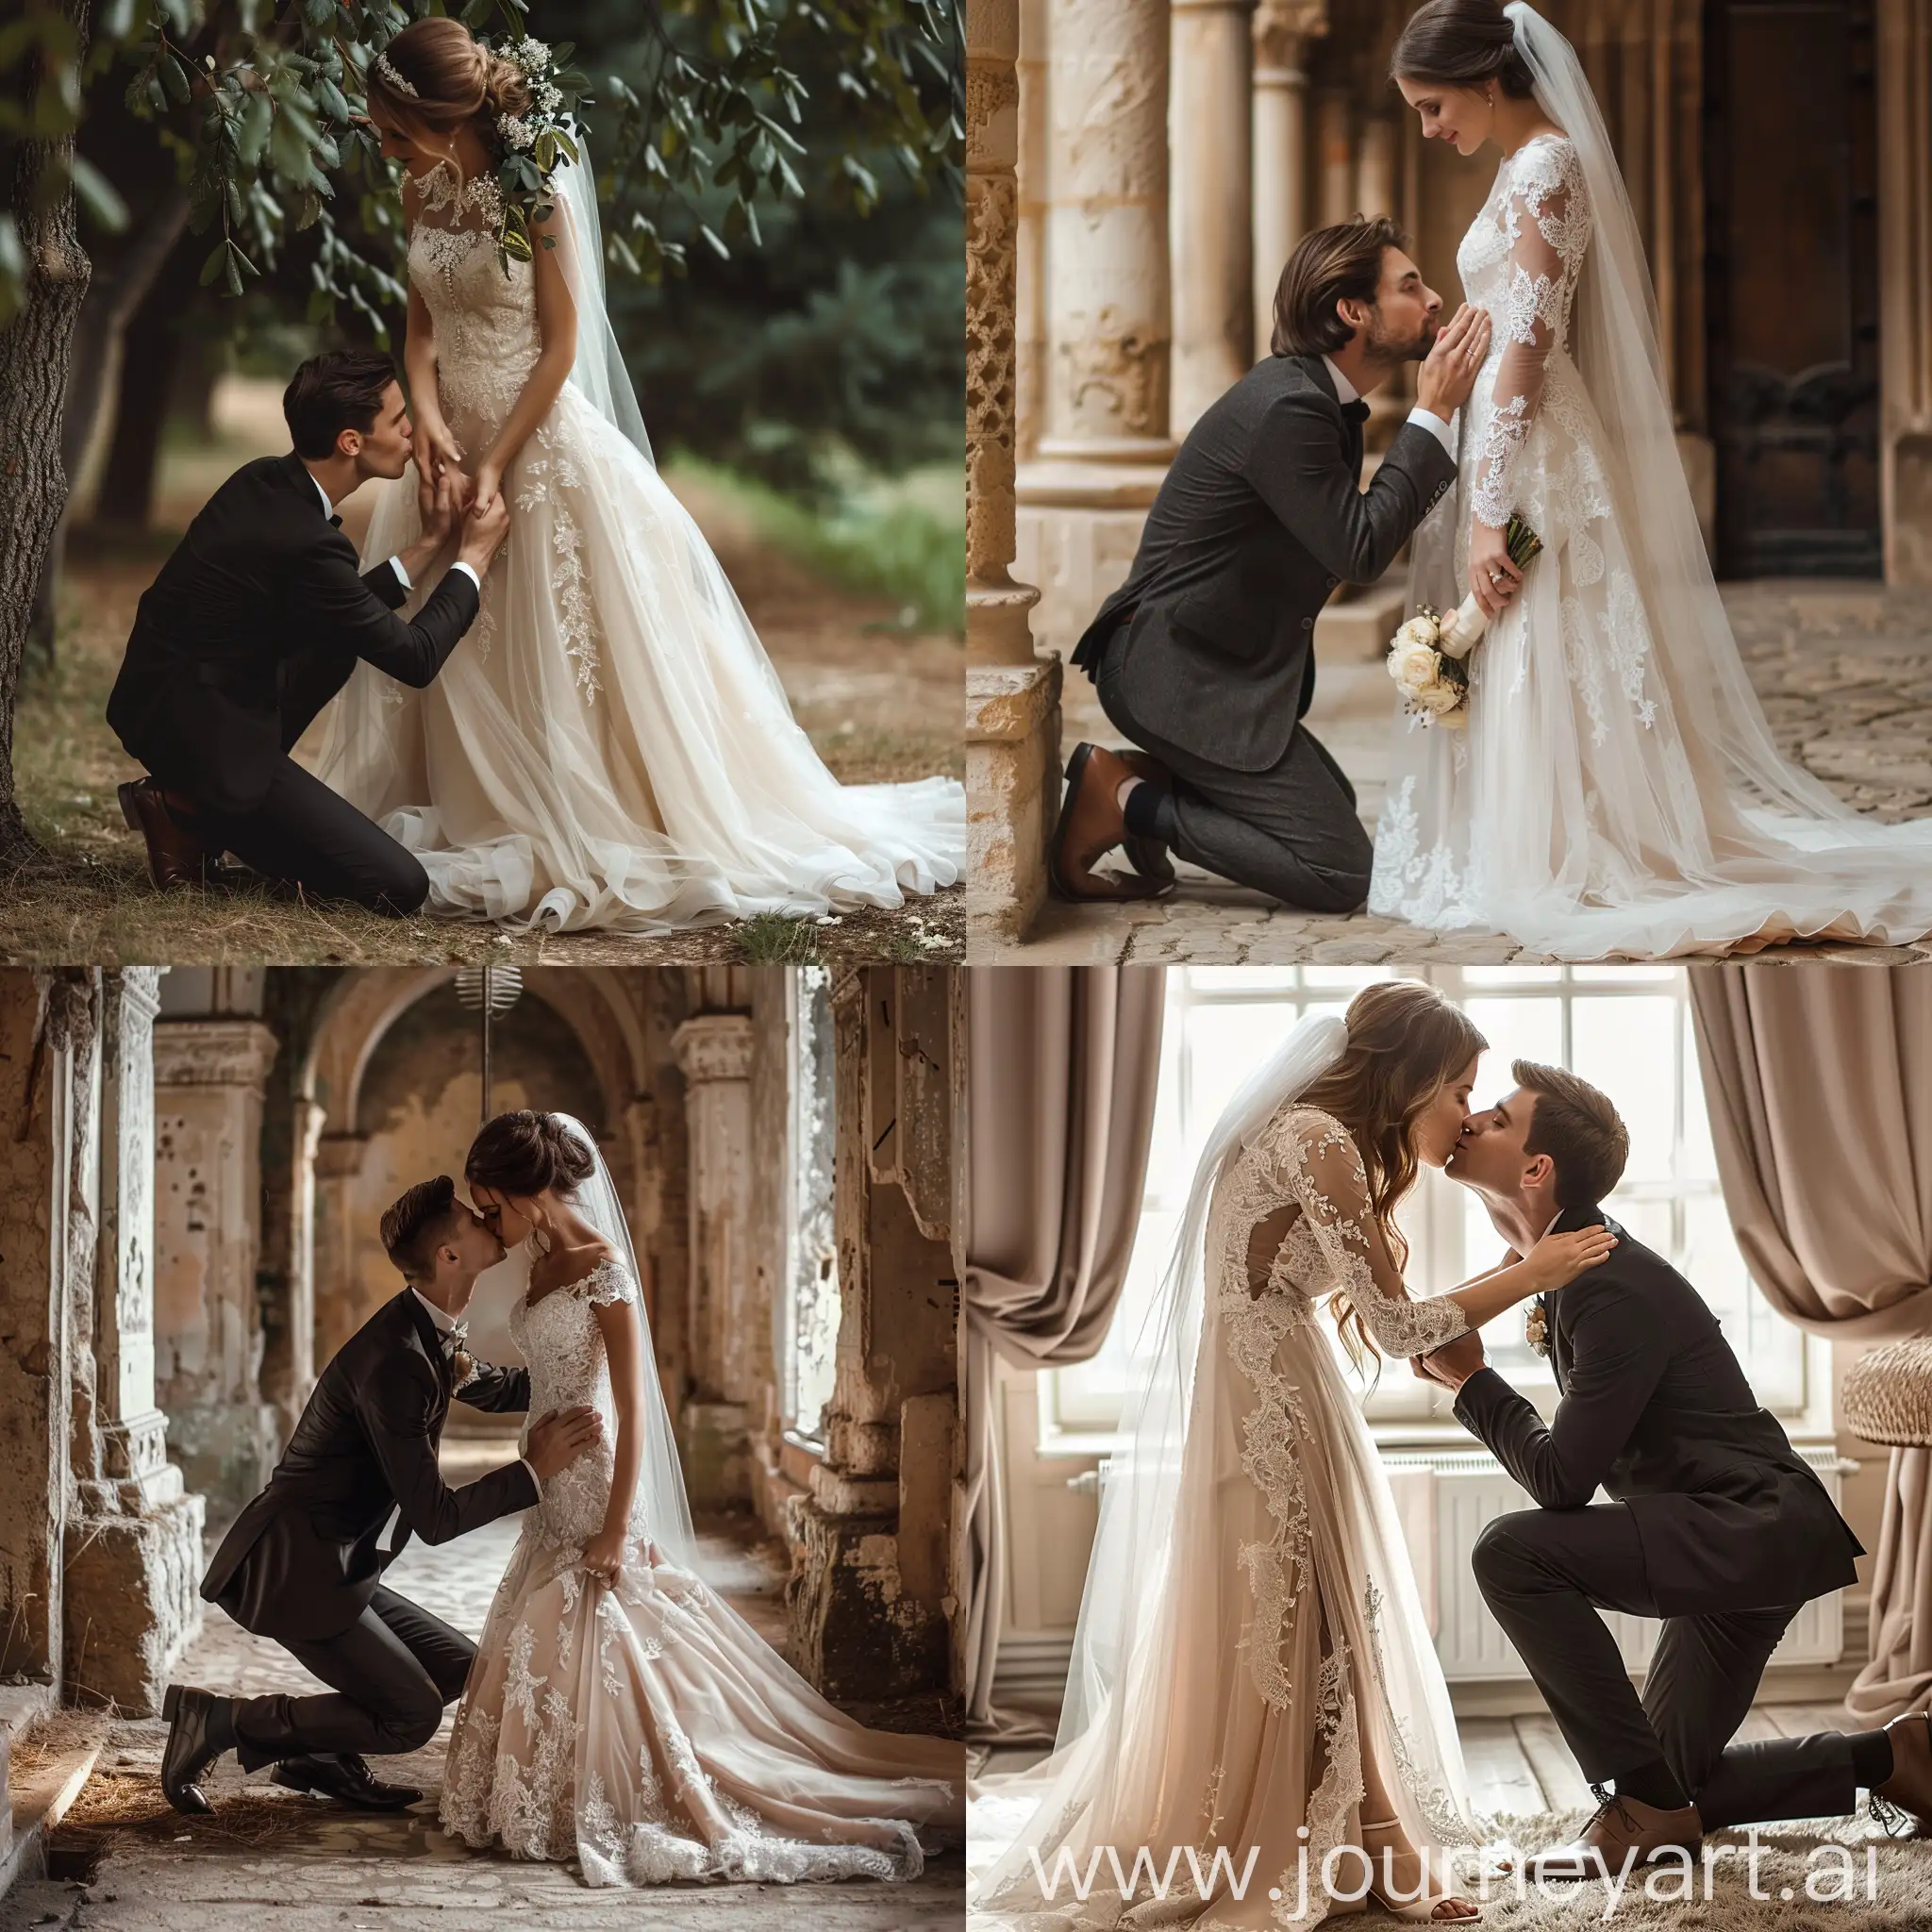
[(1819, 1083), (1062, 1063)]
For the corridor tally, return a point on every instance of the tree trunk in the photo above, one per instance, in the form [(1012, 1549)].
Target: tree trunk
[(112, 305), (35, 348), (159, 340)]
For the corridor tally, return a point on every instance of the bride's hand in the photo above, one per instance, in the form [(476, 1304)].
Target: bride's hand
[(435, 446), (1492, 579), (489, 487), (604, 1557), (1557, 1260)]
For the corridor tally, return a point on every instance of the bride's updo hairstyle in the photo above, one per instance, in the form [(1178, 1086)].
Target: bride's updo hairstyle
[(456, 81), (521, 1153), (1406, 1043), (1461, 43)]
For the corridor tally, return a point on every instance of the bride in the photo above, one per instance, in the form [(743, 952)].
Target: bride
[(1252, 1688), (1617, 789), (610, 746), (618, 1710)]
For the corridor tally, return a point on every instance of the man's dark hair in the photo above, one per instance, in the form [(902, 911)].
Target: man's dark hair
[(1339, 264), (416, 1227), (1577, 1127), (341, 389)]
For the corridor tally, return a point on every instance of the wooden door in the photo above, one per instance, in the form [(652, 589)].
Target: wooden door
[(1792, 225)]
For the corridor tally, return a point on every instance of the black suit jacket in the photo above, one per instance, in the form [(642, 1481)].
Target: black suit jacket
[(1655, 1409), (1260, 515), (301, 1561), (261, 578)]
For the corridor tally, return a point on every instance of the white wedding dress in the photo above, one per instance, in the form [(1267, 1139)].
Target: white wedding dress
[(1617, 789), (608, 746), (1280, 1634), (648, 1731)]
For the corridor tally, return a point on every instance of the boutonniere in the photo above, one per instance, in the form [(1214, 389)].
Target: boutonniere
[(1536, 1328), (463, 1368)]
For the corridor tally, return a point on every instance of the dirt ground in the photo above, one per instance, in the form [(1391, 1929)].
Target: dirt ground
[(879, 704)]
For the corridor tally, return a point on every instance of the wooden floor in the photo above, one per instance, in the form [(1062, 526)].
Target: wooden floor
[(1521, 1764)]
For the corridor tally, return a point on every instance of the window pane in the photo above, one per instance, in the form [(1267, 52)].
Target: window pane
[(1628, 1047), (1520, 1029)]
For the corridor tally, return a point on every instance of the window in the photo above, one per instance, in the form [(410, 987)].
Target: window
[(1626, 1028), (808, 1307)]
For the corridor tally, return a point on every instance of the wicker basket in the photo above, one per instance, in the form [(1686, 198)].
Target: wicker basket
[(1886, 1394)]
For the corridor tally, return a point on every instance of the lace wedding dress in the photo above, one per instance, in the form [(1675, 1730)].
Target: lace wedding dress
[(1617, 789), (608, 746), (1288, 1638), (648, 1731)]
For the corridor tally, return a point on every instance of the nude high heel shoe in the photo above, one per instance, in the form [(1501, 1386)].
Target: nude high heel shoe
[(1417, 1911)]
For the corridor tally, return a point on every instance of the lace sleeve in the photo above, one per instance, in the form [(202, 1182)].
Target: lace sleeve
[(609, 1281), (1547, 216), (1325, 1176)]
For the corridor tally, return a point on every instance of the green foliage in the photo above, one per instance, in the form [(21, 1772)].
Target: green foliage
[(261, 107), (776, 938)]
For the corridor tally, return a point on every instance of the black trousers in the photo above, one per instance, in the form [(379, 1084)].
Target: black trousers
[(392, 1671), (1545, 1573), (1290, 832), (302, 833)]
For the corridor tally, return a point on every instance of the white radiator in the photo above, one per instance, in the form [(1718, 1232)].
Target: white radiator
[(1445, 1496)]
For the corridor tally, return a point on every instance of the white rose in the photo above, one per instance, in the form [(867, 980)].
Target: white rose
[(1420, 630), (1413, 666), (1439, 698)]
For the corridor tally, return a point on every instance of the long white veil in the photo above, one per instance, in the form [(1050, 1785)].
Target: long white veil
[(1616, 343), (599, 370), (660, 1479)]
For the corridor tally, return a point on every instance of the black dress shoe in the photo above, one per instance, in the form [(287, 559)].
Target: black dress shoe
[(344, 1776), (199, 1730)]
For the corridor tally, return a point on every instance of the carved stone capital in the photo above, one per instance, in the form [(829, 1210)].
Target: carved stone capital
[(715, 1047), (1282, 30), (213, 1053)]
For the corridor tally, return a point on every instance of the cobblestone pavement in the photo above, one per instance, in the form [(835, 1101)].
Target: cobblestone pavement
[(1845, 672), (304, 1865)]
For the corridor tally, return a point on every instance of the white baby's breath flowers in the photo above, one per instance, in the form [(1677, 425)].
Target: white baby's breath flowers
[(516, 133), (549, 98), (533, 57)]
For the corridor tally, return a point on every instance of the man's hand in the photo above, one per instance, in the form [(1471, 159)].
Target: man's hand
[(1454, 1362), (1449, 371), (559, 1438), (485, 525), (436, 505)]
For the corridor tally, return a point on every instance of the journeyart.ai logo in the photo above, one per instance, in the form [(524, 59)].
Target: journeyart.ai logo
[(1828, 1873)]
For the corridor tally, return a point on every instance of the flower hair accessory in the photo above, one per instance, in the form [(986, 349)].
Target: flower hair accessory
[(535, 143), (387, 68)]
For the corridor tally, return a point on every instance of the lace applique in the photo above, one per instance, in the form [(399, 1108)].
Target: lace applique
[(1433, 1799), (1544, 222)]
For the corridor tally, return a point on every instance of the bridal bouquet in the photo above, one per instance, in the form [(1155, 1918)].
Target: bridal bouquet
[(1428, 658)]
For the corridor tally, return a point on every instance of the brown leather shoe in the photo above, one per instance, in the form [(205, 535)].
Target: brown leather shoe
[(1903, 1804), (1090, 826), (175, 856), (1148, 857), (1624, 1833)]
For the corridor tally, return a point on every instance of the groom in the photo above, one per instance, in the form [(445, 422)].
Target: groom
[(1205, 656), (1716, 1525), (256, 620), (304, 1563)]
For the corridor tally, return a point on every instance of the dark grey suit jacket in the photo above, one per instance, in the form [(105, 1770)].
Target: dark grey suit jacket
[(1260, 516), (301, 1560), (1656, 1411)]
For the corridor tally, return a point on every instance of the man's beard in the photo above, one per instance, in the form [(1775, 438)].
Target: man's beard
[(1386, 346)]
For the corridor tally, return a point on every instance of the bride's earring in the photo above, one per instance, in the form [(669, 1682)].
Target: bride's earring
[(540, 1238)]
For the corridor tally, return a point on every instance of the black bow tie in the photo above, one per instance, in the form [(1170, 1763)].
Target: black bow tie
[(335, 522), (1357, 412)]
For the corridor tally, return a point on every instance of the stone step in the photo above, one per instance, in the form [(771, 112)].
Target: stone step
[(37, 1796), (1355, 629)]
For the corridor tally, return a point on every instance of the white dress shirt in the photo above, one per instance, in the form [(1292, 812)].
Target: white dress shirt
[(1345, 391), (395, 563)]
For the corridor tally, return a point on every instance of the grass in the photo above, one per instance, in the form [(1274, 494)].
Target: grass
[(903, 539)]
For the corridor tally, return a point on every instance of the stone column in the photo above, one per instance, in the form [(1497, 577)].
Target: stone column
[(1905, 288), (1282, 30), (335, 1167), (714, 1054), (133, 1547), (870, 1594), (1012, 698), (1082, 502), (1210, 127), (208, 1078), (1335, 145)]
